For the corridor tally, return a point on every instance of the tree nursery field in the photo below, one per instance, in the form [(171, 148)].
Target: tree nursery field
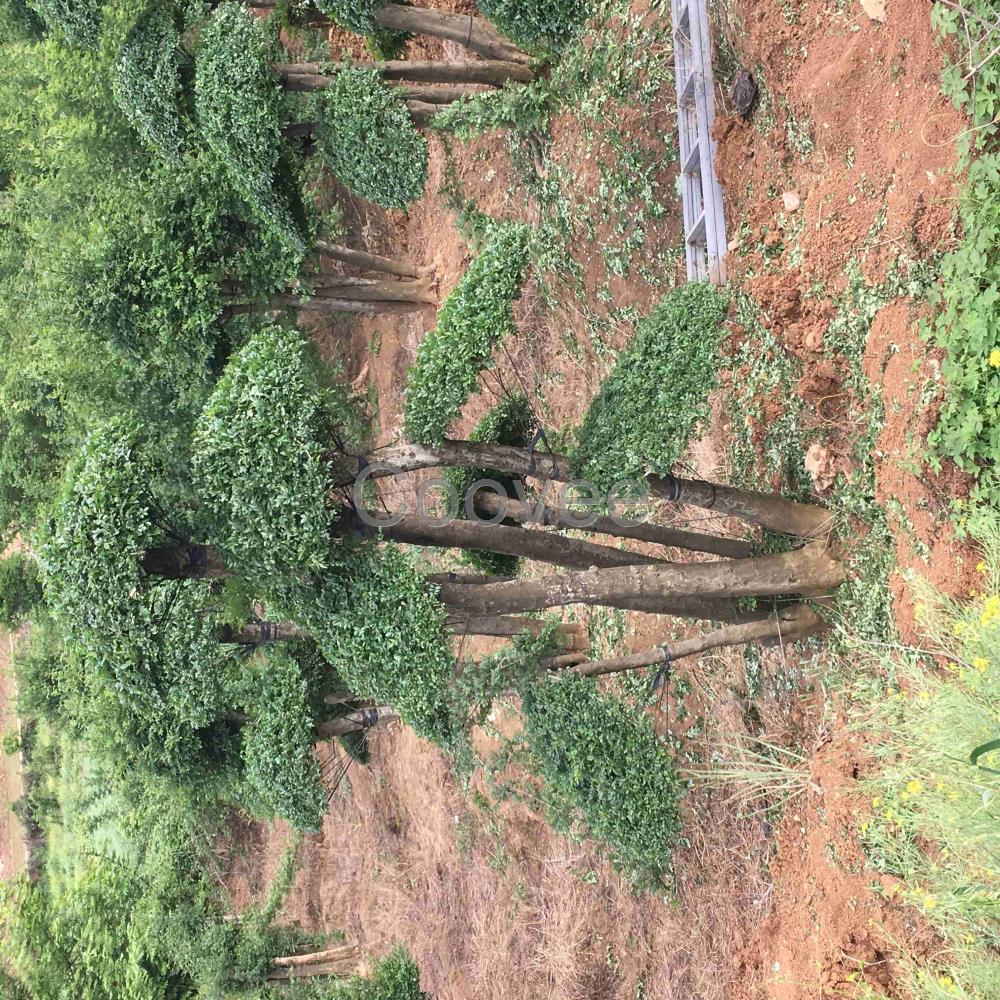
[(438, 561)]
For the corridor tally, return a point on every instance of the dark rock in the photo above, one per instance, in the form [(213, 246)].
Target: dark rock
[(743, 93)]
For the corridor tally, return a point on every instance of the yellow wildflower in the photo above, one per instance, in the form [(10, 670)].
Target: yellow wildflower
[(946, 981), (877, 801), (991, 609), (980, 663), (995, 358), (864, 827), (915, 787), (929, 902), (890, 815), (980, 566), (959, 627)]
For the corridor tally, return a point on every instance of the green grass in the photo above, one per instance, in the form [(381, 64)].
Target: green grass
[(930, 817)]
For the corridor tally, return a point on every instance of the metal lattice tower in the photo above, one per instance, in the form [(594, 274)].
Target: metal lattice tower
[(704, 222)]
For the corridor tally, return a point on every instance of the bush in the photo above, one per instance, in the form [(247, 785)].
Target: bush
[(19, 22), (20, 589), (259, 462), (472, 322), (147, 82), (967, 326), (282, 775), (354, 15), (368, 140), (510, 422), (381, 629), (78, 20), (603, 761), (541, 25), (238, 101), (657, 393)]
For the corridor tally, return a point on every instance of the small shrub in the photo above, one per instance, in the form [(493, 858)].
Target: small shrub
[(238, 102), (282, 774), (602, 760), (657, 393), (475, 318), (147, 82), (967, 326), (78, 20), (368, 139), (510, 422), (354, 15), (260, 465), (19, 22), (20, 589), (10, 744), (381, 629), (541, 25)]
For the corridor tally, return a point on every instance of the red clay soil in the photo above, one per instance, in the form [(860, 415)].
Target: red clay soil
[(884, 142)]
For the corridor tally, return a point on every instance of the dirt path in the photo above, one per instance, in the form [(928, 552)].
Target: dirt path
[(12, 855)]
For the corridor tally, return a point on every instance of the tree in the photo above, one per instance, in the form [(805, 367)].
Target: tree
[(20, 588)]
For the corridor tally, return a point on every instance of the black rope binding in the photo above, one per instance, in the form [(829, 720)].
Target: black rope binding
[(369, 717), (268, 631), (533, 451), (662, 677)]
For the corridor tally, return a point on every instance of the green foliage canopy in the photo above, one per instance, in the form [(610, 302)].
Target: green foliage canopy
[(282, 775), (20, 588), (78, 20), (539, 25), (601, 759), (368, 140), (657, 393), (472, 322), (260, 459), (147, 82), (238, 102)]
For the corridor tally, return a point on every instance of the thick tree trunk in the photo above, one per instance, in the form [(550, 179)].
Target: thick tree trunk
[(574, 634), (795, 623), (468, 579), (185, 562), (443, 93), (560, 517), (542, 546), (373, 290), (492, 71), (329, 304), (422, 112), (357, 722), (369, 261), (767, 510), (347, 956), (809, 570), (472, 32)]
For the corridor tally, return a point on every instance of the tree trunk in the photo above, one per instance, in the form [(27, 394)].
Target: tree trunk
[(185, 562), (576, 635), (372, 290), (806, 571), (347, 954), (559, 517), (767, 510), (795, 623), (439, 93), (468, 579), (328, 304), (472, 32), (422, 112), (258, 633), (369, 261), (492, 71), (357, 722), (542, 546)]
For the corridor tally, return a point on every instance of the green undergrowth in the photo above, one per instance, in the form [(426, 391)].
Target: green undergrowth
[(967, 324), (929, 820)]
